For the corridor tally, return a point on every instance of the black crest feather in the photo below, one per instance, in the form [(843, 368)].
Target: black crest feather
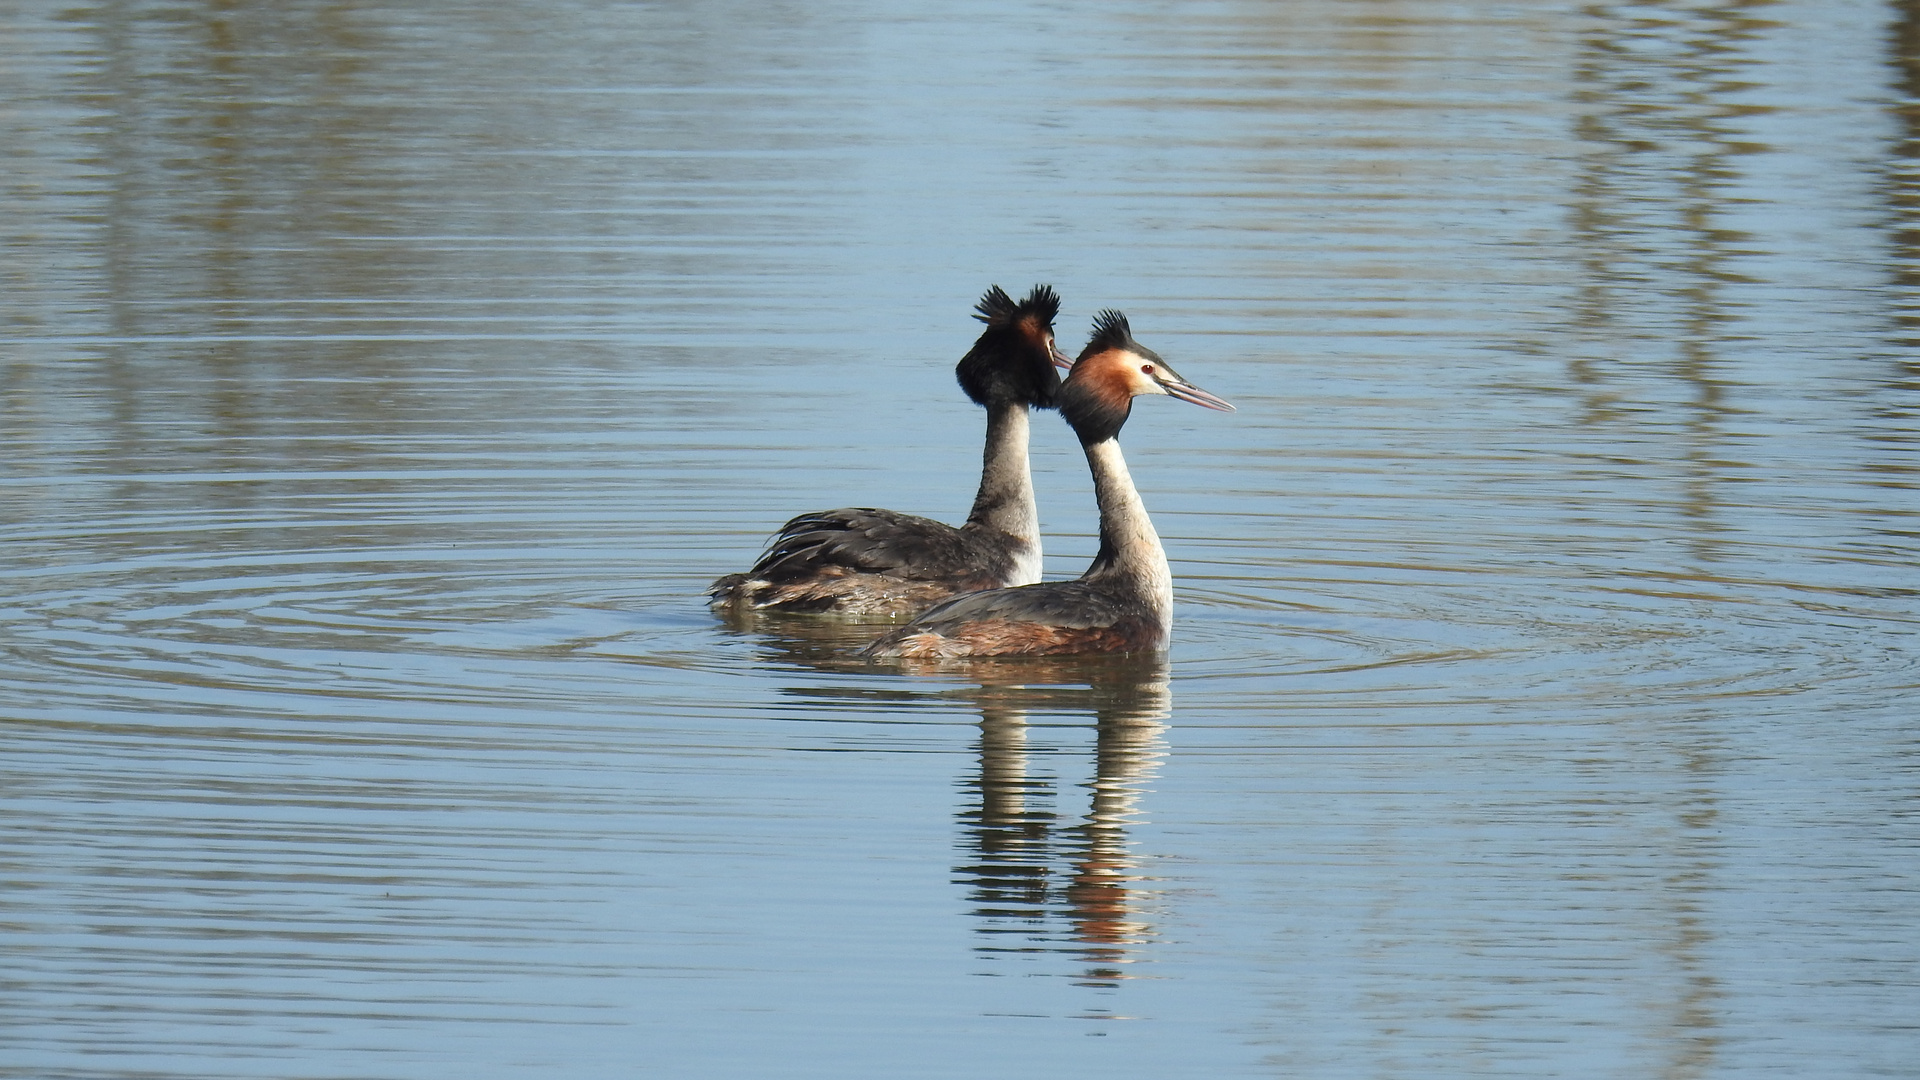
[(1043, 302), (1110, 331), (1009, 364), (995, 307)]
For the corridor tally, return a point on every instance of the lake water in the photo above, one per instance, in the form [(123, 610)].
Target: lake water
[(380, 385)]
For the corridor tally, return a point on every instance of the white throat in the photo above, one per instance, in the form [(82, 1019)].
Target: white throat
[(1005, 503), (1129, 546)]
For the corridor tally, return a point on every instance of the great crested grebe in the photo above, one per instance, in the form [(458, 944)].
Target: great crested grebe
[(861, 561), (1124, 602)]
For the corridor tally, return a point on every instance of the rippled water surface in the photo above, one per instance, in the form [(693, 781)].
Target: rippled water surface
[(381, 385)]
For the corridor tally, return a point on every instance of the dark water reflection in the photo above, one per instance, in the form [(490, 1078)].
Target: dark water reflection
[(380, 386), (1043, 878), (1032, 869)]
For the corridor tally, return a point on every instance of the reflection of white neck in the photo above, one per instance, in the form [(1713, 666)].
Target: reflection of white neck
[(1129, 548), (1003, 763), (1005, 502), (1127, 755)]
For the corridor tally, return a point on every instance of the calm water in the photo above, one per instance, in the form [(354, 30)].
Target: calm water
[(380, 385)]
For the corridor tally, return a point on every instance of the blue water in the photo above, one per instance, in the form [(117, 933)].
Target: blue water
[(381, 386)]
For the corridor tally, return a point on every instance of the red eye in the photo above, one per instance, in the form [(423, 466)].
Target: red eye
[(1146, 369)]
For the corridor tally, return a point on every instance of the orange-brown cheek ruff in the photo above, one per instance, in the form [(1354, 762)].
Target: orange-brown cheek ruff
[(1114, 374), (1098, 397)]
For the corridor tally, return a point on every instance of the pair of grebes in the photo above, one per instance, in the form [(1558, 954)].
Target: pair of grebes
[(976, 590)]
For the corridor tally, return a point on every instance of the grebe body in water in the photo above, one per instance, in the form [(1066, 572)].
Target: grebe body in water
[(863, 561), (1124, 602)]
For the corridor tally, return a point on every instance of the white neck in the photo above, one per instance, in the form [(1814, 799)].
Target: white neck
[(1005, 503), (1129, 548)]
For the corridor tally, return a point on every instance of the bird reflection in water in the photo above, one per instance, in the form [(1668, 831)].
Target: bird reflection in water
[(1040, 881), (1037, 883)]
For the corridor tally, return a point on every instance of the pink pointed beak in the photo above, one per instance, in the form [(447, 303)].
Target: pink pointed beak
[(1186, 391)]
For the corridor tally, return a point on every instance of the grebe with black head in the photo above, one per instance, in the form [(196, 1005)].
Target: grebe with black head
[(863, 561), (1124, 602)]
